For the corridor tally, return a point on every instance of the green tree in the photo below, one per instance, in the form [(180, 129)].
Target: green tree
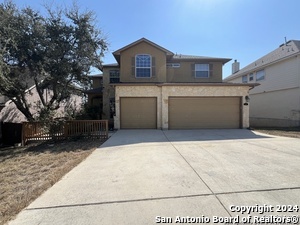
[(54, 52)]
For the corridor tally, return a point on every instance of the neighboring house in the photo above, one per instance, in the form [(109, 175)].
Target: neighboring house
[(10, 113), (276, 102), (151, 87)]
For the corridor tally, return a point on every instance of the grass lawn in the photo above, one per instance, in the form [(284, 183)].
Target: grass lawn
[(25, 173)]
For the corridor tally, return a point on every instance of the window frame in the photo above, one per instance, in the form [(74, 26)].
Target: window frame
[(262, 77), (208, 70), (115, 76), (245, 80), (142, 67), (251, 77)]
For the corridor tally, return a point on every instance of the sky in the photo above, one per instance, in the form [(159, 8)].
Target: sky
[(244, 30)]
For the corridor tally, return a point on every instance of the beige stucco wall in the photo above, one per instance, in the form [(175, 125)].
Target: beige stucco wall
[(164, 92), (186, 74), (97, 82)]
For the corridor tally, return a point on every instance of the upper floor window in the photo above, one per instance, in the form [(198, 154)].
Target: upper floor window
[(114, 76), (201, 70), (245, 79), (251, 77), (143, 66), (260, 75)]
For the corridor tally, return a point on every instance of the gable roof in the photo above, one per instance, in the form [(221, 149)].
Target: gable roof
[(283, 52), (171, 55), (117, 52)]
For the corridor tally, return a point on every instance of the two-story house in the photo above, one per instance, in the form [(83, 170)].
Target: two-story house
[(276, 102), (150, 87)]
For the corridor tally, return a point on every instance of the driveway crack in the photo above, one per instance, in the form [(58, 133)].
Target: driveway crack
[(157, 199), (198, 175)]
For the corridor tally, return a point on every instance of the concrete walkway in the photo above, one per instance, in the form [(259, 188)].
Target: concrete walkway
[(149, 176)]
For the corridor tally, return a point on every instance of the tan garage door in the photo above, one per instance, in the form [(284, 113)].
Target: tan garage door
[(194, 113), (138, 113)]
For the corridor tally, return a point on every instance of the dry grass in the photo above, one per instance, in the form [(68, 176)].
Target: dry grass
[(293, 132), (25, 173)]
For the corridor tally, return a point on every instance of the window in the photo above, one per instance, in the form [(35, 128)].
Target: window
[(143, 66), (201, 70), (114, 76), (251, 77), (260, 75), (245, 79)]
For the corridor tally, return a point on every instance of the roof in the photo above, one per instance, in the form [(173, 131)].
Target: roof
[(171, 56), (195, 57), (96, 75), (111, 65), (283, 52), (117, 52)]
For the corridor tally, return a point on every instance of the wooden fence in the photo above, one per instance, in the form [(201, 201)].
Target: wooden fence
[(68, 129)]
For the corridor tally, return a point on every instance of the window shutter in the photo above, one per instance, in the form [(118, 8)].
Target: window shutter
[(153, 67), (133, 66), (193, 69), (210, 70)]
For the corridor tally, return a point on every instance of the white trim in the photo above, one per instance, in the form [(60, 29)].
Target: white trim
[(263, 77), (246, 80)]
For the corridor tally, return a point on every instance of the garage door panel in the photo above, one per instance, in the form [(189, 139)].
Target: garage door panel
[(138, 113), (195, 113)]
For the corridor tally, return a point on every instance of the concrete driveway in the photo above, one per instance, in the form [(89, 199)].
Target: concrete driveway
[(151, 176)]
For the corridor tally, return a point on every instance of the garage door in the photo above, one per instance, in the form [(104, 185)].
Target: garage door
[(194, 113), (138, 113)]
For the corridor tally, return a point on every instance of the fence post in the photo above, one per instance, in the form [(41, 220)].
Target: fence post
[(23, 134), (106, 129), (66, 129)]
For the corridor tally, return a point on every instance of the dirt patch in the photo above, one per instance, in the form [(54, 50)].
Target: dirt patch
[(25, 173), (285, 132)]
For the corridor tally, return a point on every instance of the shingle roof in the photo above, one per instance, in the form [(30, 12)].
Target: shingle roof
[(195, 57), (284, 51), (170, 54), (180, 56)]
